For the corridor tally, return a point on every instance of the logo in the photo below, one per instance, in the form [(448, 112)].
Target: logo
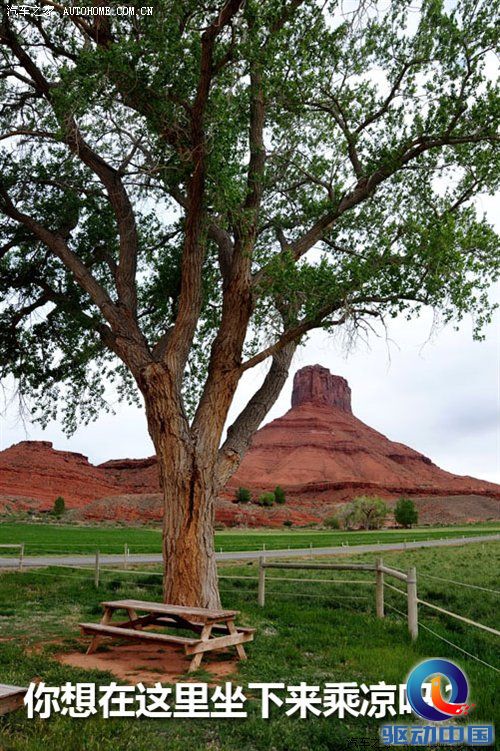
[(440, 708)]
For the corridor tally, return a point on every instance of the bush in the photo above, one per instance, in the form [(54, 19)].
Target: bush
[(266, 499), (364, 513), (288, 523), (405, 512), (279, 494), (332, 522), (59, 506), (346, 516), (243, 495)]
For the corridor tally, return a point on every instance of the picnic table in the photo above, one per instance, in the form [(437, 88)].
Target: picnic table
[(11, 698), (215, 629)]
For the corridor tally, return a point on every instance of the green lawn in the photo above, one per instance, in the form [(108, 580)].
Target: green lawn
[(313, 632), (61, 538)]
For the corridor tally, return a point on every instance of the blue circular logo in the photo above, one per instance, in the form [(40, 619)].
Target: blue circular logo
[(440, 709)]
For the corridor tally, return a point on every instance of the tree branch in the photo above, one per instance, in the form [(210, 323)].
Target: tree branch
[(391, 95), (225, 248), (287, 13), (367, 185), (60, 249), (26, 310), (295, 333), (240, 433), (340, 118), (237, 304), (110, 178), (190, 297), (27, 132), (59, 299)]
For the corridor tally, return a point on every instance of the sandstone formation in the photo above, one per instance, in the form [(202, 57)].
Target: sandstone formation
[(319, 448), (34, 469), (138, 475), (316, 385), (319, 452)]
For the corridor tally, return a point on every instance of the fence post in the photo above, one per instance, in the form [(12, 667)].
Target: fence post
[(21, 557), (125, 556), (411, 591), (379, 589), (262, 583), (96, 570)]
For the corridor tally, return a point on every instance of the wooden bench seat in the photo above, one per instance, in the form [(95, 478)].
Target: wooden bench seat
[(11, 698), (192, 646), (132, 633), (216, 629)]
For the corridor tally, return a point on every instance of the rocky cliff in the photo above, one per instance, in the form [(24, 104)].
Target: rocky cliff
[(316, 385), (320, 447), (319, 452), (35, 470)]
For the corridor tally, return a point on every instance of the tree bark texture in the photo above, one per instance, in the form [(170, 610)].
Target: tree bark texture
[(186, 481)]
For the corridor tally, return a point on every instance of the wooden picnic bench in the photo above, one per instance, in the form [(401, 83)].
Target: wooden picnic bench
[(215, 629), (11, 698)]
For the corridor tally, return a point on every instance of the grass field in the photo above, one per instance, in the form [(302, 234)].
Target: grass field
[(313, 632), (60, 538)]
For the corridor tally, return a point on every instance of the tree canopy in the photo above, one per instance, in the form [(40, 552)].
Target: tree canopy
[(405, 512), (316, 162), (365, 512)]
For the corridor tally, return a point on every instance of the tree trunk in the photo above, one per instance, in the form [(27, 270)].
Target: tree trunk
[(186, 481), (190, 570)]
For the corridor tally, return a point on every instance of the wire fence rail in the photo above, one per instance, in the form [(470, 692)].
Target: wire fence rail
[(381, 573), (461, 584), (410, 579), (413, 601), (262, 579)]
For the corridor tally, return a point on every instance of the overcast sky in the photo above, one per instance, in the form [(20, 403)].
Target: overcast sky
[(436, 391), (439, 395)]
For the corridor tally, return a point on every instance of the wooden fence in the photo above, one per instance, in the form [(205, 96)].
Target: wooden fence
[(380, 582), (410, 578), (381, 571)]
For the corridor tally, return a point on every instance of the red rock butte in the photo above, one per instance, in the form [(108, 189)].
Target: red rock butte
[(319, 452), (320, 447), (316, 385)]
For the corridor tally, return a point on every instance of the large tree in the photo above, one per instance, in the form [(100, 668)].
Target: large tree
[(187, 194)]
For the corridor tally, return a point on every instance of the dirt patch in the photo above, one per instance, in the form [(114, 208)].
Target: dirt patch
[(148, 663)]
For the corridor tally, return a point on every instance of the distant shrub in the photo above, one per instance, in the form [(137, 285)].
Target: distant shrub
[(288, 523), (266, 499), (405, 512), (243, 495), (332, 522), (279, 494), (59, 506), (364, 512)]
